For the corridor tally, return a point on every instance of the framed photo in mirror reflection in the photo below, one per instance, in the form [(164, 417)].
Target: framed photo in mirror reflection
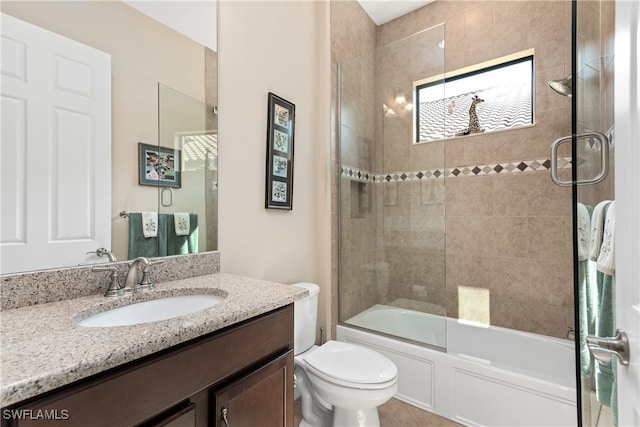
[(280, 135), (158, 166)]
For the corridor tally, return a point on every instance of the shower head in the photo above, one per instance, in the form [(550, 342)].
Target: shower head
[(563, 87)]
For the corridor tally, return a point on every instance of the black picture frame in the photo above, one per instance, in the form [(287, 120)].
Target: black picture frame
[(159, 166), (280, 144)]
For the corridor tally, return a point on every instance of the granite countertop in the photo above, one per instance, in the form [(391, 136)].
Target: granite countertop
[(42, 348)]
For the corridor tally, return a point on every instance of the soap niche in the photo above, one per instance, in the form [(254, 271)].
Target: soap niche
[(360, 199)]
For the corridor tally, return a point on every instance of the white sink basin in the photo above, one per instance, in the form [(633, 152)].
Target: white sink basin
[(151, 311)]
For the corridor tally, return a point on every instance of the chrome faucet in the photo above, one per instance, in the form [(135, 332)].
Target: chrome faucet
[(135, 283), (138, 277), (133, 280)]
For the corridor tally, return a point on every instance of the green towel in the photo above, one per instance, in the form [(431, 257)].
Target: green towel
[(606, 387), (614, 391), (586, 291), (178, 245), (587, 326), (166, 242), (142, 246), (605, 327)]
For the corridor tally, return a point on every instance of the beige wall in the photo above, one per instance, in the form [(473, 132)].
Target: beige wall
[(277, 47), (143, 53)]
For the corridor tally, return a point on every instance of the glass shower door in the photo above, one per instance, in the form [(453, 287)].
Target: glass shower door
[(391, 250), (594, 154)]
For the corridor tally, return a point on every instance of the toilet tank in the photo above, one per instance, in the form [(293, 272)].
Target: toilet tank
[(305, 318)]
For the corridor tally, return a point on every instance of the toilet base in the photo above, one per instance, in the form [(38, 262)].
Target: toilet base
[(349, 417)]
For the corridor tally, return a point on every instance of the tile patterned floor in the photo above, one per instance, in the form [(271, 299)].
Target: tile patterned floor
[(396, 413)]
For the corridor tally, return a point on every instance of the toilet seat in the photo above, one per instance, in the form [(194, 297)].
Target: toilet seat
[(351, 366)]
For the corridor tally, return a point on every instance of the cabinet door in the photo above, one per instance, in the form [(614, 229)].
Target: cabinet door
[(264, 397)]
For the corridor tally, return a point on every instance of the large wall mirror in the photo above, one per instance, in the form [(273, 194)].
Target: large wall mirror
[(160, 74)]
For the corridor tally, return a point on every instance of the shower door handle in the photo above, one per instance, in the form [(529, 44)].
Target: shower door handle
[(604, 348), (166, 202), (604, 159)]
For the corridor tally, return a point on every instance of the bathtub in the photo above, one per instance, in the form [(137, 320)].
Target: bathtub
[(488, 376), (409, 324)]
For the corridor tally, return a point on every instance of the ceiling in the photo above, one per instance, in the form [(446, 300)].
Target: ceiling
[(383, 11), (197, 19), (194, 19)]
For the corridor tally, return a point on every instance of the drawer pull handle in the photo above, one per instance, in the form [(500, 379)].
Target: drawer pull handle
[(223, 415)]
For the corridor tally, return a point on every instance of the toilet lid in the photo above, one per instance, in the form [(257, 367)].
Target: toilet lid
[(351, 363)]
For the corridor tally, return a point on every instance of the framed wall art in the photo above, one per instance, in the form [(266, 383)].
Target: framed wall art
[(280, 132), (158, 166)]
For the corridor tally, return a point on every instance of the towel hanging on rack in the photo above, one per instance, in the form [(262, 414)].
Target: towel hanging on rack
[(606, 390), (182, 223), (597, 228), (167, 241), (150, 224), (139, 245), (606, 258)]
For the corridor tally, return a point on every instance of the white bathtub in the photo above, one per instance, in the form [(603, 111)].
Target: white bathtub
[(488, 376), (413, 325)]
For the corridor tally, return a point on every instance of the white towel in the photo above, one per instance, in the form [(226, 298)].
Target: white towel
[(150, 224), (182, 223), (584, 232), (597, 227), (606, 260)]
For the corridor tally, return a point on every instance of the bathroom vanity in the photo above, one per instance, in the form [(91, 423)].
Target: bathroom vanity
[(231, 364)]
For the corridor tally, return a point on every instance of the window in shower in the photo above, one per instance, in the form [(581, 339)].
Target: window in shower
[(490, 96)]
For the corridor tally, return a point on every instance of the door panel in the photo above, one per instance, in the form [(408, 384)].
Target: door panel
[(608, 265), (627, 112), (56, 149)]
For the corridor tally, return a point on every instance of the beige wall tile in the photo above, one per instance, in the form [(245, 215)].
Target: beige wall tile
[(510, 278), (549, 237)]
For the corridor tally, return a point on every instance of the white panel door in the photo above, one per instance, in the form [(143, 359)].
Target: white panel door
[(627, 178), (55, 158)]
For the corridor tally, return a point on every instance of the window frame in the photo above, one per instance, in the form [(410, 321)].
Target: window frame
[(467, 72)]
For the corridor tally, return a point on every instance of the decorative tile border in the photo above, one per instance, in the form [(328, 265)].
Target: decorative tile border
[(524, 166)]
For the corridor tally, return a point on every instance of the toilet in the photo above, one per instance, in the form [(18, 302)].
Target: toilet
[(340, 384)]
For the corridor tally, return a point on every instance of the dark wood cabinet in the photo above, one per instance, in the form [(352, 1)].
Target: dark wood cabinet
[(246, 368), (255, 399)]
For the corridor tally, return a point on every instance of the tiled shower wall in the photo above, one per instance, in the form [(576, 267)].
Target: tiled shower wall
[(595, 80), (508, 228)]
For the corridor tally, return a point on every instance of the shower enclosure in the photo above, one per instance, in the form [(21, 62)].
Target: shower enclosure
[(594, 149), (392, 192), (454, 244), (456, 249)]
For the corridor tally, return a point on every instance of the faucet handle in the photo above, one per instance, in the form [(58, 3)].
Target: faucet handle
[(146, 283), (114, 287)]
